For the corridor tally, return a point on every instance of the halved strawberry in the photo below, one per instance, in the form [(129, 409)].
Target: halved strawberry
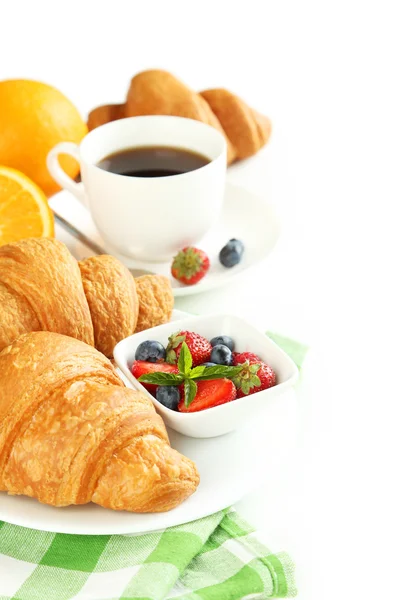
[(240, 357), (210, 393), (142, 367), (199, 347)]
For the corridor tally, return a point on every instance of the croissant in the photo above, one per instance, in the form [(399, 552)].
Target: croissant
[(43, 288), (105, 114), (157, 92), (154, 294), (160, 93), (110, 291), (71, 433), (247, 129)]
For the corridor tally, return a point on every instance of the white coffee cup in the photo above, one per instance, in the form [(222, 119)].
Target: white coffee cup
[(148, 218)]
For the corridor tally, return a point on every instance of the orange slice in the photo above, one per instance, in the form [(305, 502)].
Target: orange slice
[(24, 210)]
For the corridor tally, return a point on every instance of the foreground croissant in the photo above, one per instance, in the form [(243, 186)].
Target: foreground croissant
[(43, 287), (71, 433), (157, 92)]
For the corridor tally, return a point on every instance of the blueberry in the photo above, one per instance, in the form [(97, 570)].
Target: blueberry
[(150, 350), (231, 254), (169, 396), (208, 364), (221, 355), (225, 340)]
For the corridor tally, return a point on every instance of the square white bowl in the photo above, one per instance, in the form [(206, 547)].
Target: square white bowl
[(226, 417)]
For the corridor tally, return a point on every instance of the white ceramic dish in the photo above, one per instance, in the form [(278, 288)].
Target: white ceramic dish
[(226, 417), (244, 215), (230, 467)]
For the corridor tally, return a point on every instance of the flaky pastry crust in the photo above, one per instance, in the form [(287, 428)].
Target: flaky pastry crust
[(71, 433), (41, 289), (156, 301), (247, 129), (105, 114), (113, 302)]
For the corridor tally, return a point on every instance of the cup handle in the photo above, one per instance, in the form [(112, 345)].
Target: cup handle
[(60, 176)]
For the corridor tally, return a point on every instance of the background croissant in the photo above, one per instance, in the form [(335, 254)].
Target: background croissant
[(43, 288), (71, 433), (157, 92)]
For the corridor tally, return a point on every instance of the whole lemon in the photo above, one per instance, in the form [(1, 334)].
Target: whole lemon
[(34, 117)]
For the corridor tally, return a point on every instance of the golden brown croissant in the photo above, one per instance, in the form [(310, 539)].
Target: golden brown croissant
[(157, 92), (247, 129), (43, 288), (105, 114), (71, 433), (113, 302), (155, 300)]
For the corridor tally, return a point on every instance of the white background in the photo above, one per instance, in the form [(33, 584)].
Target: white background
[(327, 73)]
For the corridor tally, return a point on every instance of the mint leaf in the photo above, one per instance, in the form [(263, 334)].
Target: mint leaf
[(197, 371), (185, 359), (217, 372), (190, 391), (162, 378), (212, 376)]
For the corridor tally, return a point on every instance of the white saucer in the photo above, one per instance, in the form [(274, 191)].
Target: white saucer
[(230, 467), (245, 216)]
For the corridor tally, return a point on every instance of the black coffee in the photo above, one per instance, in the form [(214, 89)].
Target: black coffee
[(153, 161)]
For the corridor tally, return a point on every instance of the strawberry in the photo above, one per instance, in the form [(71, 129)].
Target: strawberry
[(254, 377), (210, 393), (142, 367), (190, 265), (199, 347), (240, 357)]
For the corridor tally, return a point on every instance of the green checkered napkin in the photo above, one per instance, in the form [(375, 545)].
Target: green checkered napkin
[(214, 558)]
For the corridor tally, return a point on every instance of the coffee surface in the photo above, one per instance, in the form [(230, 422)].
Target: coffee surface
[(153, 161)]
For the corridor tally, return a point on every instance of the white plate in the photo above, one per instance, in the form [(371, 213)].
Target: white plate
[(230, 467), (245, 216)]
